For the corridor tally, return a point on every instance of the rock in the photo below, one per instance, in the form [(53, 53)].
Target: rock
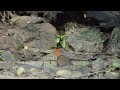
[(112, 75), (8, 73), (49, 57), (20, 36), (59, 18), (56, 17), (72, 25), (115, 63), (84, 70), (114, 42), (7, 56), (64, 73), (106, 19), (69, 54), (5, 42), (2, 41), (45, 77), (20, 71), (23, 21), (98, 76), (34, 50), (50, 64), (80, 63), (32, 39), (32, 70), (47, 37), (76, 74), (85, 39), (44, 74), (98, 65)]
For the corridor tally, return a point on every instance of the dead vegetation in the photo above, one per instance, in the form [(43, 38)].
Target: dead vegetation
[(5, 16)]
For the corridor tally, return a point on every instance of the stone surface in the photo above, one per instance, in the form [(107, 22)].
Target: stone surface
[(20, 71), (114, 42), (47, 37), (76, 74), (106, 19), (44, 74), (112, 75), (32, 39), (64, 73), (85, 39), (80, 63), (23, 21), (7, 56), (49, 57), (98, 65)]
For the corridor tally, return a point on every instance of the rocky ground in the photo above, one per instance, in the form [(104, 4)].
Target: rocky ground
[(26, 50)]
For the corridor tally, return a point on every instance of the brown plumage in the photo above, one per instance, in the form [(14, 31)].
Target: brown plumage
[(61, 59)]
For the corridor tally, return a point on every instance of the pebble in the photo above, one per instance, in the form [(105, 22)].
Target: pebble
[(64, 73)]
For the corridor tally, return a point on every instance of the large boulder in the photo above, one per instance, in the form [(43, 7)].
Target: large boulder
[(114, 42), (85, 40), (106, 19), (40, 36)]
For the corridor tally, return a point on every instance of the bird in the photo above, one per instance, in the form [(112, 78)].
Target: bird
[(61, 59)]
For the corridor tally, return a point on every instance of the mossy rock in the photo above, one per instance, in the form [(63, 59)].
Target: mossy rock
[(86, 39), (114, 42)]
